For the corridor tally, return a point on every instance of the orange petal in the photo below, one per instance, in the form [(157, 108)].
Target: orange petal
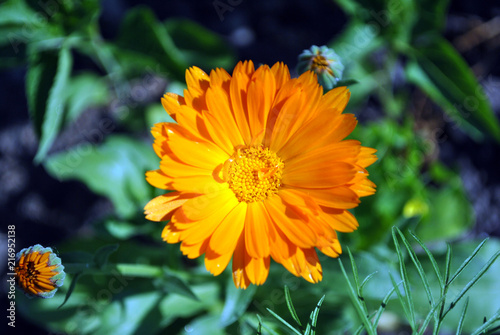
[(162, 207), (257, 269), (319, 176), (257, 230), (346, 151), (238, 93), (366, 157), (281, 74), (334, 101), (260, 97), (158, 179), (332, 250), (194, 250), (207, 205), (323, 130), (216, 263), (290, 222), (342, 197), (226, 235), (342, 221), (240, 276), (195, 152), (220, 122)]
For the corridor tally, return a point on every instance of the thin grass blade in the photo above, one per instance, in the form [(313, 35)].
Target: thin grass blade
[(295, 331), (289, 303), (431, 258), (472, 282), (311, 325), (402, 300), (487, 324), (406, 283), (467, 261), (428, 318), (366, 280), (360, 308), (418, 265), (462, 317), (382, 307)]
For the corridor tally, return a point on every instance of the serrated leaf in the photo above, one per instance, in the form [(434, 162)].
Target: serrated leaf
[(102, 255), (444, 75)]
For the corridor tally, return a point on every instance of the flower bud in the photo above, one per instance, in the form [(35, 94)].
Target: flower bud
[(324, 62)]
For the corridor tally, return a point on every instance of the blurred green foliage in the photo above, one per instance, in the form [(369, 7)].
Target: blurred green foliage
[(122, 279)]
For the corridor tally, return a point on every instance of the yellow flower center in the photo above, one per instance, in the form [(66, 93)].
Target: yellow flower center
[(253, 173), (321, 64)]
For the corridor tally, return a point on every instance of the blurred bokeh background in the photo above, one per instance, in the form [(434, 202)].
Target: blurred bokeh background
[(80, 87)]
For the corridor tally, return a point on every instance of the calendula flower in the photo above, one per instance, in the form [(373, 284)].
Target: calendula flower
[(260, 170), (39, 272), (324, 62)]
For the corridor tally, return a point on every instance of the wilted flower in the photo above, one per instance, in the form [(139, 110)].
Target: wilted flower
[(39, 272), (324, 62), (260, 170)]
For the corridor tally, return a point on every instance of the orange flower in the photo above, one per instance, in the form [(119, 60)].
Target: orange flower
[(260, 170)]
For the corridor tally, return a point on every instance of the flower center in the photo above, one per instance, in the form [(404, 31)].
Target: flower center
[(30, 277), (321, 64), (253, 173)]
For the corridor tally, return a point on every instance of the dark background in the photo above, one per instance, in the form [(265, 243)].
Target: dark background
[(46, 211)]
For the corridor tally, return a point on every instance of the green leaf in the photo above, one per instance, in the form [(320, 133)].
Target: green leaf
[(71, 288), (237, 301), (45, 84), (114, 169), (431, 16), (450, 215), (198, 45), (102, 254), (84, 91), (176, 285), (134, 314), (444, 75), (143, 38), (204, 325), (208, 293), (16, 12)]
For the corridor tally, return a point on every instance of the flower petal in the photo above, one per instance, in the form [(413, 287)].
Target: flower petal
[(290, 222), (319, 176), (257, 230), (162, 207)]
